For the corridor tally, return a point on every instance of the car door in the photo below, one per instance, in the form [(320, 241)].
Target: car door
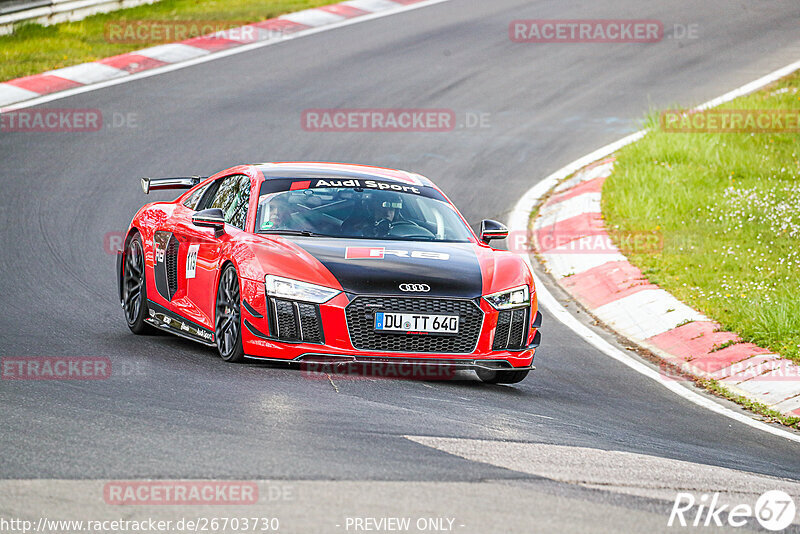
[(202, 254), (173, 242), (169, 246)]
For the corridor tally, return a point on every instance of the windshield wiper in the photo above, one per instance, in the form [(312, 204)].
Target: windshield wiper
[(303, 233)]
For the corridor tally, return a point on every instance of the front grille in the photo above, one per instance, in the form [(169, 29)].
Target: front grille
[(294, 321), (361, 325), (171, 261), (512, 329)]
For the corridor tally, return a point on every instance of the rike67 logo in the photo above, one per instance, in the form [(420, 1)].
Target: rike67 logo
[(774, 510)]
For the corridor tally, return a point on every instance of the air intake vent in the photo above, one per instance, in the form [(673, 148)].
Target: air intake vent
[(171, 260), (501, 332), (310, 324), (295, 321), (512, 329)]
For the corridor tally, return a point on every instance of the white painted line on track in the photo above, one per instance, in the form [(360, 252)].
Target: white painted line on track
[(216, 55), (518, 222)]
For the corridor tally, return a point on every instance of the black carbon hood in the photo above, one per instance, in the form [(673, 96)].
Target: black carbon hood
[(367, 266)]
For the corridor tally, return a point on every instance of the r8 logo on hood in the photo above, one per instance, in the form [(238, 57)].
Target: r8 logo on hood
[(379, 253), (417, 288)]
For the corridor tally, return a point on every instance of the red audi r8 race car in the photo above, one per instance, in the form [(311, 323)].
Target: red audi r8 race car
[(323, 262)]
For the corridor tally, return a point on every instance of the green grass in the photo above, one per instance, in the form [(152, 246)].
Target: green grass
[(769, 414), (728, 206), (32, 48)]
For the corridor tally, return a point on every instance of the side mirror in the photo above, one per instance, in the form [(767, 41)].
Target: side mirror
[(210, 218), (492, 230)]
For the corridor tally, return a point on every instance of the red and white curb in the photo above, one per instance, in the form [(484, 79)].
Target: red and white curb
[(30, 87), (618, 294)]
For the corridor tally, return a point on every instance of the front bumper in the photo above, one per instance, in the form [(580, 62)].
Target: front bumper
[(337, 348), (322, 360)]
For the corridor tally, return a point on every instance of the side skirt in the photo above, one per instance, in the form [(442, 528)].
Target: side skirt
[(171, 322)]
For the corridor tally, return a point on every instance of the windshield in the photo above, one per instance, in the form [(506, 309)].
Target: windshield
[(359, 212)]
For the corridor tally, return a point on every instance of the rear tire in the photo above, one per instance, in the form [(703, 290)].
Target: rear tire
[(134, 288), (501, 377), (228, 317)]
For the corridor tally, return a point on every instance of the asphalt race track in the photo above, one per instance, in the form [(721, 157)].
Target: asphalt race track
[(173, 410)]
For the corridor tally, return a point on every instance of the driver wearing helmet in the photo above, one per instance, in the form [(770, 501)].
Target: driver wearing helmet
[(383, 209)]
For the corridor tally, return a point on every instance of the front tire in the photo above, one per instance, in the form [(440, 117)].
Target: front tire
[(228, 317), (134, 288), (501, 377)]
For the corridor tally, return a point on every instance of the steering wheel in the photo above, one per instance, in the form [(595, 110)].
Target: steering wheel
[(408, 229)]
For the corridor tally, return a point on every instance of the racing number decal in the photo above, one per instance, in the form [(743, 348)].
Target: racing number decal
[(191, 261)]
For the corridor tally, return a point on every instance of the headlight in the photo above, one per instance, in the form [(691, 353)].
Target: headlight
[(510, 298), (286, 288)]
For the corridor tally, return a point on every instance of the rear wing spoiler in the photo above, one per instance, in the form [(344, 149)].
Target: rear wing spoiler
[(180, 182)]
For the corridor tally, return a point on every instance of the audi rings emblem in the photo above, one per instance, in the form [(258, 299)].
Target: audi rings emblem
[(418, 288)]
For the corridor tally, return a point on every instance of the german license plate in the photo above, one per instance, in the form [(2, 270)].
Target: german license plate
[(416, 322)]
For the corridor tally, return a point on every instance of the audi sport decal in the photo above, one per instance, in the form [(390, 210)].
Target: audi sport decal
[(379, 253), (191, 261), (368, 184)]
